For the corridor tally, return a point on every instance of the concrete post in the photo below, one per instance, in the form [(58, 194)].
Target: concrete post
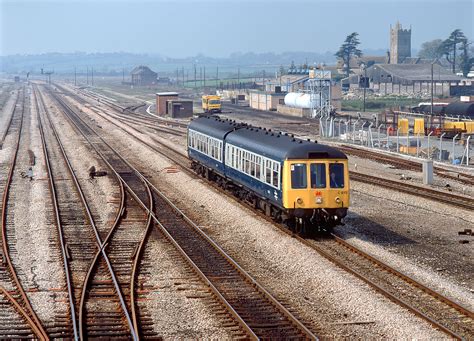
[(353, 130), (429, 145), (369, 136), (454, 144), (441, 145), (467, 150), (427, 172), (418, 145), (378, 135), (398, 139), (408, 140)]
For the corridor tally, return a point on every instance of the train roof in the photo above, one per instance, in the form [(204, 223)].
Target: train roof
[(214, 126), (266, 142)]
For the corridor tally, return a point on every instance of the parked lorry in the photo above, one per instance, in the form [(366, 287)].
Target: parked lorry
[(211, 104)]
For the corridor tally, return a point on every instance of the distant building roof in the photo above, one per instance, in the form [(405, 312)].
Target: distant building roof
[(142, 69), (414, 72), (167, 94), (355, 62), (418, 60)]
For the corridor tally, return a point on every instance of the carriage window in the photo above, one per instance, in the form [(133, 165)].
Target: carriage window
[(318, 175), (336, 175), (276, 172), (268, 172), (298, 175), (257, 167)]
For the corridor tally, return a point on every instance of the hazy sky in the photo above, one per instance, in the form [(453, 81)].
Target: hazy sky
[(217, 28)]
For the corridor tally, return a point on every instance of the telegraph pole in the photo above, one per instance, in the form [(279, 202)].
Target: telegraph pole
[(183, 75), (238, 76), (217, 76), (195, 80), (432, 89)]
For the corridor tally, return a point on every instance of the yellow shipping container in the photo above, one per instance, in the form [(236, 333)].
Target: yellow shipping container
[(419, 126), (470, 127), (448, 125), (403, 125)]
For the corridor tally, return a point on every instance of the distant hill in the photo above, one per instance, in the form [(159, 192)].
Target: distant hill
[(115, 63)]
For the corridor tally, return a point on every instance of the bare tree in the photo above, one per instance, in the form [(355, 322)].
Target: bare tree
[(431, 49)]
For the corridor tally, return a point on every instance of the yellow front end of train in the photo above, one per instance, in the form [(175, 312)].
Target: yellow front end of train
[(316, 184)]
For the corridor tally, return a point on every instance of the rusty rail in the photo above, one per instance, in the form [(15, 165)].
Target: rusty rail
[(6, 252)]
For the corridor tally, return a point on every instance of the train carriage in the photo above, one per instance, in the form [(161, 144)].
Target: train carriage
[(303, 183)]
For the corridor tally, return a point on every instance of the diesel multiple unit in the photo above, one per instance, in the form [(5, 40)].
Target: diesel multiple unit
[(301, 183)]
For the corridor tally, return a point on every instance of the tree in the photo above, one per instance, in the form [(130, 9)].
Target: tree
[(349, 49), (466, 60), (449, 46), (431, 49), (282, 70)]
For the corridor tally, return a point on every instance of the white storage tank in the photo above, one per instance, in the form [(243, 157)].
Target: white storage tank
[(300, 100)]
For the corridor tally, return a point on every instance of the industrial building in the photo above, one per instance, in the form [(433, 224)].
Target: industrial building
[(263, 100), (404, 78), (168, 103), (143, 75), (179, 108)]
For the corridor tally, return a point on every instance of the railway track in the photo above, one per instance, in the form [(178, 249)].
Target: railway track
[(424, 192), (21, 320), (92, 292), (257, 312), (102, 287), (7, 127), (405, 164), (427, 193), (442, 312), (125, 110)]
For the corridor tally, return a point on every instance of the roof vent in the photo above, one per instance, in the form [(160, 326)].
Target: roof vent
[(293, 140), (309, 140), (315, 141), (269, 130), (286, 134), (293, 135), (301, 141)]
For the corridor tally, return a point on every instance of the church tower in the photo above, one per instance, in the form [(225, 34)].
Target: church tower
[(400, 44)]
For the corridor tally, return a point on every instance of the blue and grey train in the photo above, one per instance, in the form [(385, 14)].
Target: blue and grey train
[(301, 183)]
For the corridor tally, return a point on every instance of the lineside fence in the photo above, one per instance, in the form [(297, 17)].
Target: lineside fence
[(458, 150)]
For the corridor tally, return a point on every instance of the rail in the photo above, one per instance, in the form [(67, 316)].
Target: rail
[(6, 252), (210, 282), (57, 217), (101, 245)]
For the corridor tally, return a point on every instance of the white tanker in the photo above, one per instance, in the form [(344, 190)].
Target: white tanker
[(301, 100)]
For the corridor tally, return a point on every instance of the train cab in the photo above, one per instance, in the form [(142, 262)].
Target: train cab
[(316, 184)]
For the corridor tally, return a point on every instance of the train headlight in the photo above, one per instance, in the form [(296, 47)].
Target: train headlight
[(319, 200), (338, 200), (299, 201)]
